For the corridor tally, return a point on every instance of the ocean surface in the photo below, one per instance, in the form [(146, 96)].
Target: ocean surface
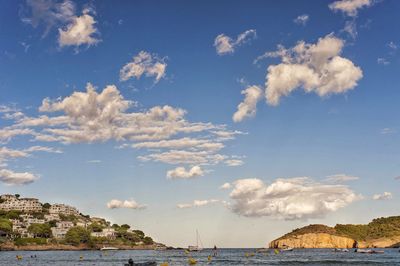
[(178, 257)]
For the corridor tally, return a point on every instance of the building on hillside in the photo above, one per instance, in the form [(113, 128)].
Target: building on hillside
[(32, 220), (52, 217), (25, 204), (83, 224), (61, 229), (8, 197), (63, 209), (106, 232)]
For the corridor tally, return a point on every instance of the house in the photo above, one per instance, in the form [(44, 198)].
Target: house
[(63, 209), (106, 232), (25, 204), (61, 229), (52, 217)]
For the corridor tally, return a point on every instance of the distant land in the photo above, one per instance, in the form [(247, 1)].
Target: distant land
[(380, 233), (28, 224)]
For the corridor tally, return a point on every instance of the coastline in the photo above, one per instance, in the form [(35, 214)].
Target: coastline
[(62, 247)]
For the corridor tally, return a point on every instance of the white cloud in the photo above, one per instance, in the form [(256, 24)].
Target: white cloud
[(197, 203), (94, 161), (146, 64), (392, 45), (294, 198), (43, 149), (351, 28), (383, 196), (80, 31), (88, 117), (48, 12), (225, 186), (234, 162), (382, 61), (226, 45), (350, 7), (341, 178), (316, 68), (129, 204), (387, 131), (248, 107), (182, 173), (10, 177), (184, 157), (302, 19)]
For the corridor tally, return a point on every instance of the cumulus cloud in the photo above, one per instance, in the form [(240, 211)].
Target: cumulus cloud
[(197, 203), (339, 178), (129, 204), (226, 45), (302, 19), (161, 132), (146, 64), (73, 30), (182, 173), (350, 7), (80, 31), (10, 177), (225, 186), (315, 67), (292, 198), (384, 196), (247, 108)]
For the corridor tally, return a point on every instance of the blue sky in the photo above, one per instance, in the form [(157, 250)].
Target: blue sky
[(153, 139)]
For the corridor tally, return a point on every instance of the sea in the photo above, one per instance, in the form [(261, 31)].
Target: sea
[(179, 257)]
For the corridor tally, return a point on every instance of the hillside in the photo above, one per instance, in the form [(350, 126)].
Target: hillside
[(380, 232), (26, 223)]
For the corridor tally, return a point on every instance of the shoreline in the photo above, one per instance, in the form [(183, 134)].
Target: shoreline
[(61, 247)]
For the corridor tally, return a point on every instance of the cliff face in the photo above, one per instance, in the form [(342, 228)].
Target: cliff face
[(314, 240)]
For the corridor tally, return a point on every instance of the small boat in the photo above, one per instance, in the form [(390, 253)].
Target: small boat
[(108, 248), (287, 249), (196, 248), (341, 250), (369, 251)]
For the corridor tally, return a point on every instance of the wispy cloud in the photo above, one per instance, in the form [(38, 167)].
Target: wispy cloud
[(226, 45)]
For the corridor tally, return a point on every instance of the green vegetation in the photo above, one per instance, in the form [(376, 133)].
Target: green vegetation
[(30, 241), (5, 226), (96, 227), (69, 218), (77, 235), (378, 228), (40, 230)]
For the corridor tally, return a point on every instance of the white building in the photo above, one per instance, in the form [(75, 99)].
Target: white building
[(63, 209), (51, 217), (106, 232), (25, 204), (61, 229)]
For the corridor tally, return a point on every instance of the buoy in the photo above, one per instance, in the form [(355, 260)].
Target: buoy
[(209, 258), (81, 257), (187, 251), (164, 264), (276, 251), (19, 257), (192, 261)]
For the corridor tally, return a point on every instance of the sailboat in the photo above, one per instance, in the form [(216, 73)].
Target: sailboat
[(196, 248)]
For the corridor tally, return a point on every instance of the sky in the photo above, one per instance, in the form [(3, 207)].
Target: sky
[(243, 120)]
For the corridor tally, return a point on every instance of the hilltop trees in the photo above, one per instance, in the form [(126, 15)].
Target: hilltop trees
[(40, 230), (77, 235)]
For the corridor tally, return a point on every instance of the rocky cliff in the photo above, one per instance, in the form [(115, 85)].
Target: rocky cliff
[(314, 240), (382, 232)]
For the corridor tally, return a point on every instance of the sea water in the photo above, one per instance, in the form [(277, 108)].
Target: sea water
[(179, 257)]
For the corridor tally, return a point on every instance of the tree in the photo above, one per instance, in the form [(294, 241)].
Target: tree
[(13, 215), (139, 233), (77, 235), (125, 227), (46, 205), (148, 240), (6, 226), (53, 223), (96, 227), (17, 196), (40, 230)]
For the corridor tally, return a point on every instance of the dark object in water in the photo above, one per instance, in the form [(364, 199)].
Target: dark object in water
[(149, 263)]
